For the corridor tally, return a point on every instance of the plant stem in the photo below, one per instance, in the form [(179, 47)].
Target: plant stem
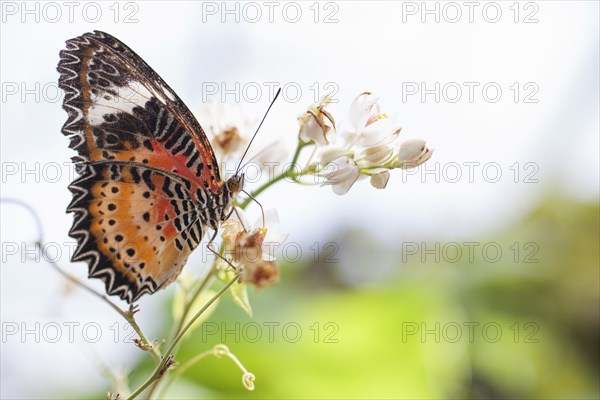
[(180, 370), (218, 351), (264, 187), (288, 173), (299, 148), (39, 243), (167, 359), (153, 389), (197, 315), (127, 315), (205, 283)]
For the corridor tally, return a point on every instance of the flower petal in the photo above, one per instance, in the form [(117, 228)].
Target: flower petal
[(227, 127), (380, 180), (376, 155), (271, 153), (380, 131), (230, 230), (343, 173), (361, 109), (315, 125), (330, 154), (274, 237)]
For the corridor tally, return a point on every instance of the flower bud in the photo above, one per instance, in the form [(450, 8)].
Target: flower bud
[(315, 125), (412, 153)]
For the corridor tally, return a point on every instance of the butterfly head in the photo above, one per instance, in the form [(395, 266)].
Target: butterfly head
[(235, 184)]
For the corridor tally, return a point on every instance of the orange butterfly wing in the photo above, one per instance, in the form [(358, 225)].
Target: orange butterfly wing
[(149, 184)]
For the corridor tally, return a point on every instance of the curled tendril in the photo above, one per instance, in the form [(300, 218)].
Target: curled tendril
[(221, 350), (248, 380)]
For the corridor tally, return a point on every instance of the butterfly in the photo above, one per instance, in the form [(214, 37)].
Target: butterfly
[(149, 185)]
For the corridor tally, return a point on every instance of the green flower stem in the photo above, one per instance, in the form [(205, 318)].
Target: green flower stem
[(288, 173), (217, 351), (367, 170), (204, 284), (127, 315), (299, 148), (180, 370), (199, 313), (264, 187), (167, 359), (152, 349)]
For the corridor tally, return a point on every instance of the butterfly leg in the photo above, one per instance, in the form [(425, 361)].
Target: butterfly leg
[(239, 218), (216, 253)]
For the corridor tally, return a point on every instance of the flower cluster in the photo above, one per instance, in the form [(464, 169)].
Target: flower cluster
[(367, 145)]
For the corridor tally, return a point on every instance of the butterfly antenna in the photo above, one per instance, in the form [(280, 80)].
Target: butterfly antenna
[(257, 129)]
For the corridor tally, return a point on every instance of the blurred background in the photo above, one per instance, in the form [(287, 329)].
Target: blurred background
[(474, 276)]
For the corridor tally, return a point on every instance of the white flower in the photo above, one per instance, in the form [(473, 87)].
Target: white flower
[(273, 238), (412, 152), (245, 247), (367, 125), (316, 124), (330, 154), (249, 250), (380, 180), (227, 127), (273, 153), (252, 244), (230, 130), (341, 174), (363, 106)]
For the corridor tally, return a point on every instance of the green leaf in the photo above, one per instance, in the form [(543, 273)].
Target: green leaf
[(239, 293)]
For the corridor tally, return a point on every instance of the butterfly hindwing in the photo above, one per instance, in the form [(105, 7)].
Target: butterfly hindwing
[(137, 226)]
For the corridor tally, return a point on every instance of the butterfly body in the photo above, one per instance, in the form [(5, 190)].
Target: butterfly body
[(149, 184)]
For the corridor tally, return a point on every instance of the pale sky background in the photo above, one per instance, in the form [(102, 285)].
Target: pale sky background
[(381, 47)]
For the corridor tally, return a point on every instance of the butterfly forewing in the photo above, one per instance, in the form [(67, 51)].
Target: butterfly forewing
[(119, 108), (149, 181)]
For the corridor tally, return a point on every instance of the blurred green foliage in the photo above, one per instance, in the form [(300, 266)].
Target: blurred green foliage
[(523, 325)]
